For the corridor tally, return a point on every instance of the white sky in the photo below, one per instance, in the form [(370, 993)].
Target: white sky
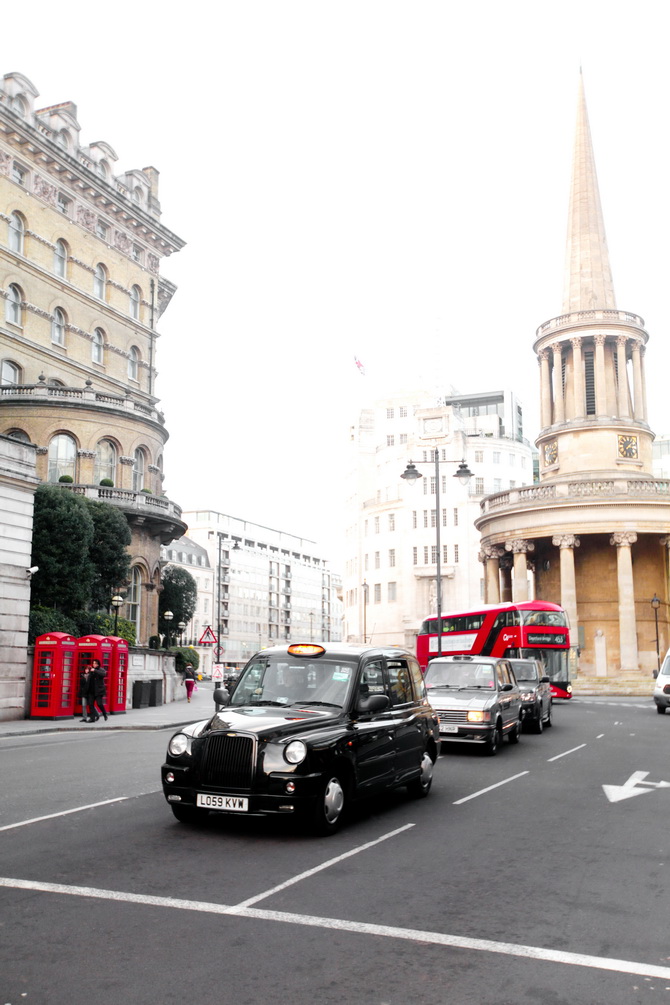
[(367, 177)]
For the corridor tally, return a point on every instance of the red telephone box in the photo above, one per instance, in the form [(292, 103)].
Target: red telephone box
[(55, 682), (117, 680), (94, 647)]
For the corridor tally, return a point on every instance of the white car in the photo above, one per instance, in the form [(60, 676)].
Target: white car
[(662, 686)]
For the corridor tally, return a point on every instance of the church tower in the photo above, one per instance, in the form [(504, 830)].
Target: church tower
[(594, 530)]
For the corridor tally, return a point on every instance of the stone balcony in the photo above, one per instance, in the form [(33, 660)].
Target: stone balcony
[(158, 515), (611, 489), (587, 319), (43, 393)]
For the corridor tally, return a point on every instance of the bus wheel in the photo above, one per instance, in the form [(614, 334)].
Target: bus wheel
[(493, 743)]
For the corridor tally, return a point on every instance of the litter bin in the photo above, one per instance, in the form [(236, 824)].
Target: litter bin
[(156, 692), (141, 693)]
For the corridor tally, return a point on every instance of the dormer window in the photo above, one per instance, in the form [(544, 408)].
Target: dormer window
[(18, 106), (63, 139)]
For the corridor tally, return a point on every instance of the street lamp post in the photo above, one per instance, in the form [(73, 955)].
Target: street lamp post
[(167, 618), (181, 626), (365, 611), (117, 601), (656, 603), (410, 474)]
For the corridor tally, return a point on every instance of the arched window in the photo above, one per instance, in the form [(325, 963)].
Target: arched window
[(138, 470), (135, 298), (100, 281), (102, 169), (138, 195), (18, 434), (105, 461), (62, 457), (60, 259), (58, 327), (16, 232), (18, 106), (98, 346), (134, 600), (13, 306), (63, 139), (10, 373), (133, 361)]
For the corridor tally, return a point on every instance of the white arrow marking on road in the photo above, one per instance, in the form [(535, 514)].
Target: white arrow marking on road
[(615, 793)]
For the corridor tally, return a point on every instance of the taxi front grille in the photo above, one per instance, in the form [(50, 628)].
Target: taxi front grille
[(453, 715), (228, 761)]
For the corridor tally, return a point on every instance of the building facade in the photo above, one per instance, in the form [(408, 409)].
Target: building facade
[(391, 542), (81, 292), (596, 525), (187, 554), (269, 586)]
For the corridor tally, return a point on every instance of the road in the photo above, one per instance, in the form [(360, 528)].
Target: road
[(520, 880)]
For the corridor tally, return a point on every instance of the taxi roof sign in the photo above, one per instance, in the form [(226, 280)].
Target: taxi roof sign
[(305, 649)]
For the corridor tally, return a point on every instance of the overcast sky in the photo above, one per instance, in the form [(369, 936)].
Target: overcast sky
[(375, 179)]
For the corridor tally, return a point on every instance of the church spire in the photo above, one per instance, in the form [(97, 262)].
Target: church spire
[(588, 277)]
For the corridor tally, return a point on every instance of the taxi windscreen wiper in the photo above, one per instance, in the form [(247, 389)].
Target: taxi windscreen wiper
[(309, 701)]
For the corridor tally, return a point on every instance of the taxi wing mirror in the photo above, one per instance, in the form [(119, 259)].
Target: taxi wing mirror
[(373, 703), (507, 687), (655, 674), (221, 696), (545, 680)]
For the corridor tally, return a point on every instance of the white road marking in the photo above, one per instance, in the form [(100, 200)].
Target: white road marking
[(318, 868), (489, 788), (77, 809), (362, 928), (615, 793), (565, 753)]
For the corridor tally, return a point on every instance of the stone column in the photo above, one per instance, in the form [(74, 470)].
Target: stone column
[(623, 397), (567, 544), (600, 378), (559, 399), (545, 390), (506, 579), (643, 375), (638, 401), (579, 407), (490, 555), (520, 548), (624, 540)]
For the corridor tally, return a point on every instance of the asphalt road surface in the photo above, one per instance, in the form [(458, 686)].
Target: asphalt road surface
[(536, 876)]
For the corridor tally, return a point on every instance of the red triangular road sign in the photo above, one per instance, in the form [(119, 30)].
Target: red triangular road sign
[(208, 637)]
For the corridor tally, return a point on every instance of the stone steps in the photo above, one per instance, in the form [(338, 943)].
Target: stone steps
[(618, 684)]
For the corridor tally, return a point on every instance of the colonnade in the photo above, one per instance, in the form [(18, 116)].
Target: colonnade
[(563, 379), (500, 586)]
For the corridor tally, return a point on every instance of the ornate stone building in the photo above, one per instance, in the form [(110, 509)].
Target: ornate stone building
[(596, 526), (81, 294)]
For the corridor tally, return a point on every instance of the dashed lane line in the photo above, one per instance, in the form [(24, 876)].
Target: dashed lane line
[(356, 927), (565, 753), (489, 788), (77, 809)]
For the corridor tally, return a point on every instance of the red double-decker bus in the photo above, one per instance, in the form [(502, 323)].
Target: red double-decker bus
[(533, 629)]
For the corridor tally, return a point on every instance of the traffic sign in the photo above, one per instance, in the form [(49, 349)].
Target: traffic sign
[(218, 652), (208, 637), (217, 672)]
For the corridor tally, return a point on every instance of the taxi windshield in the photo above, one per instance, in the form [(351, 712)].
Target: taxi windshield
[(524, 671), (460, 675), (284, 680)]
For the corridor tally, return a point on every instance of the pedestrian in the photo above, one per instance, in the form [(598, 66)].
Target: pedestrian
[(96, 692), (83, 692), (189, 680)]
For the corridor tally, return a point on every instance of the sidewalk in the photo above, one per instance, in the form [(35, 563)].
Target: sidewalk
[(173, 715)]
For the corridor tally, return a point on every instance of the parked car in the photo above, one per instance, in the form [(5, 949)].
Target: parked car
[(306, 730), (662, 686), (535, 687), (477, 700)]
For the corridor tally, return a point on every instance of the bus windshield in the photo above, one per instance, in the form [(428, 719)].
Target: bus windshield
[(547, 619)]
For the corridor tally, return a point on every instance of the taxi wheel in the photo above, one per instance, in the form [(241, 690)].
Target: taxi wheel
[(330, 805), (515, 733), (660, 709), (547, 721), (538, 723), (419, 787), (188, 814), (493, 743)]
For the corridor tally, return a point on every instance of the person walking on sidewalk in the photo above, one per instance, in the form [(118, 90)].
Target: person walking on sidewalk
[(83, 692), (96, 692), (189, 680)]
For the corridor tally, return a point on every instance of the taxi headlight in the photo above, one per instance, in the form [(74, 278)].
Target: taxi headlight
[(295, 752), (179, 744), (479, 716), (527, 695)]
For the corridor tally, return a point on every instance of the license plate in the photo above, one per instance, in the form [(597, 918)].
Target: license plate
[(448, 729), (238, 803)]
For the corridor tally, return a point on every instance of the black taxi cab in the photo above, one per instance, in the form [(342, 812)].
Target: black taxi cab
[(306, 730)]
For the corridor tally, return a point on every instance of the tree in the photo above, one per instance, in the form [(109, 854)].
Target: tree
[(179, 595), (62, 535), (109, 557)]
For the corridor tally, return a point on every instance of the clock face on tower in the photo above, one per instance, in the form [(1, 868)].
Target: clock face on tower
[(551, 452), (627, 446)]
